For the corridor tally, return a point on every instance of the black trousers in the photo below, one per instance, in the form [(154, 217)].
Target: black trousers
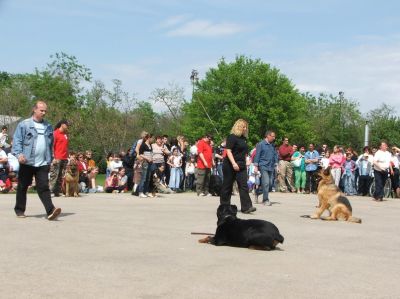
[(363, 184), (380, 180), (311, 182), (25, 176), (230, 176)]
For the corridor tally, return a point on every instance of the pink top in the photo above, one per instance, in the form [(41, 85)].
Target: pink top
[(336, 160)]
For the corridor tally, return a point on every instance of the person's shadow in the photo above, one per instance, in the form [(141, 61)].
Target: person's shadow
[(45, 215)]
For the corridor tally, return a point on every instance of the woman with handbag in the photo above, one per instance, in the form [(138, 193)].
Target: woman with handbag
[(299, 167)]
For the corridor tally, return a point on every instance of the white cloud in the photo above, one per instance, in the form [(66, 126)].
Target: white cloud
[(368, 74), (174, 20), (205, 28)]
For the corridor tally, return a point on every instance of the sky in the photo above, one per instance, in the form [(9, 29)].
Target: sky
[(323, 46)]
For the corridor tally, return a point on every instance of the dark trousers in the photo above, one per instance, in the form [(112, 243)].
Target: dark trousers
[(380, 179), (230, 176), (190, 181), (363, 184), (26, 174), (311, 183), (203, 180)]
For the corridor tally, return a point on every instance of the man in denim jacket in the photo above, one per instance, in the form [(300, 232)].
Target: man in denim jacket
[(33, 146), (266, 160)]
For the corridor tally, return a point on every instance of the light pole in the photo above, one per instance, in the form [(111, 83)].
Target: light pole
[(341, 93), (194, 78)]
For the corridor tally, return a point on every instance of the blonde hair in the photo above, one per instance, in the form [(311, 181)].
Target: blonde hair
[(238, 128)]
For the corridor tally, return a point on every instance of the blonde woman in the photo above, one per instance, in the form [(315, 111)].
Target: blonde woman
[(234, 167)]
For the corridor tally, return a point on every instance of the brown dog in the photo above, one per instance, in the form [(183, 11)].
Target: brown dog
[(331, 199), (71, 179)]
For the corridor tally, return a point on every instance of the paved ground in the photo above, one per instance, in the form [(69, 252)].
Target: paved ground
[(120, 246)]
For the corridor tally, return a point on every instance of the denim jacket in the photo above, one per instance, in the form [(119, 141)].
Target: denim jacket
[(24, 141), (266, 156)]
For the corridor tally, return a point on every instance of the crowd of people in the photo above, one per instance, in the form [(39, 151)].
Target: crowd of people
[(159, 164)]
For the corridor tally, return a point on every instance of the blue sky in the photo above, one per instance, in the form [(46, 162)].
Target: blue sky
[(322, 46)]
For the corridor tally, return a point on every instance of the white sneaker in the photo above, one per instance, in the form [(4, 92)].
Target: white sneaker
[(208, 195), (142, 195), (149, 195), (202, 194)]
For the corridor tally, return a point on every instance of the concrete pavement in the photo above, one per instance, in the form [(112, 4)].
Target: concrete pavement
[(120, 246)]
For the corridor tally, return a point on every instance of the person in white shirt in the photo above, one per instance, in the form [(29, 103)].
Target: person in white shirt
[(381, 164)]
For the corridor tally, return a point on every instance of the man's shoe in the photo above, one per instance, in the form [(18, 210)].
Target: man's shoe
[(54, 214), (209, 195), (142, 195), (249, 210), (202, 194), (266, 203), (21, 215)]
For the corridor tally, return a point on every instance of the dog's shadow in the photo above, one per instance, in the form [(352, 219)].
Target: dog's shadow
[(45, 215)]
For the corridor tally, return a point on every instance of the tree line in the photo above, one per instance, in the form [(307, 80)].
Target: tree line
[(106, 120)]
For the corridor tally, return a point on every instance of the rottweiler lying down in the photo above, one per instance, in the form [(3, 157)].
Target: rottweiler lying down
[(251, 233)]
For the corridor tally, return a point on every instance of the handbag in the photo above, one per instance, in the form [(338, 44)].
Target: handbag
[(297, 162)]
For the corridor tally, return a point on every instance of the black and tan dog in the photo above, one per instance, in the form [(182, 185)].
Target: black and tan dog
[(251, 233), (71, 179), (332, 199)]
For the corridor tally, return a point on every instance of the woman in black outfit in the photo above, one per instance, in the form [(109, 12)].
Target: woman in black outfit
[(234, 167)]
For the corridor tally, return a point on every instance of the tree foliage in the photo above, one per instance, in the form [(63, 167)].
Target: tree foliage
[(248, 89)]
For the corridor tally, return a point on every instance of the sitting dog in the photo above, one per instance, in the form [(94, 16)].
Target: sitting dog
[(71, 179), (251, 233), (332, 199)]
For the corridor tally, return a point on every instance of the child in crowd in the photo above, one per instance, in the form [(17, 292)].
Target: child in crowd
[(113, 184), (175, 162), (10, 184), (349, 168), (159, 181), (190, 173)]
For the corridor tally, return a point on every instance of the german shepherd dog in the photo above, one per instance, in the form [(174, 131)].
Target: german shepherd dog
[(71, 179), (235, 232), (332, 199)]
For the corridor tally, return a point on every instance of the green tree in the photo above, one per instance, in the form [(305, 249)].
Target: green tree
[(384, 124), (335, 120), (248, 89)]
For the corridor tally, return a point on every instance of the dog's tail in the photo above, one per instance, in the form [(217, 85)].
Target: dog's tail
[(354, 219)]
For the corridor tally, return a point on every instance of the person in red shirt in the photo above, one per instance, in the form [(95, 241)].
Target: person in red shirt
[(205, 162), (60, 161), (285, 173)]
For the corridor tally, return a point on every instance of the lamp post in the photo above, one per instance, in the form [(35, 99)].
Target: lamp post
[(194, 78), (341, 93)]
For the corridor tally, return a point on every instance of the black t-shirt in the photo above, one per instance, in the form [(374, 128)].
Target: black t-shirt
[(145, 149), (239, 149)]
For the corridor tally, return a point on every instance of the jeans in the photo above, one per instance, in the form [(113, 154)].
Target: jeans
[(175, 178), (230, 175), (26, 173), (220, 171), (267, 180), (145, 180)]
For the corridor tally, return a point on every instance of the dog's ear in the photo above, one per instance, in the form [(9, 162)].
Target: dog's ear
[(233, 210), (327, 171)]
